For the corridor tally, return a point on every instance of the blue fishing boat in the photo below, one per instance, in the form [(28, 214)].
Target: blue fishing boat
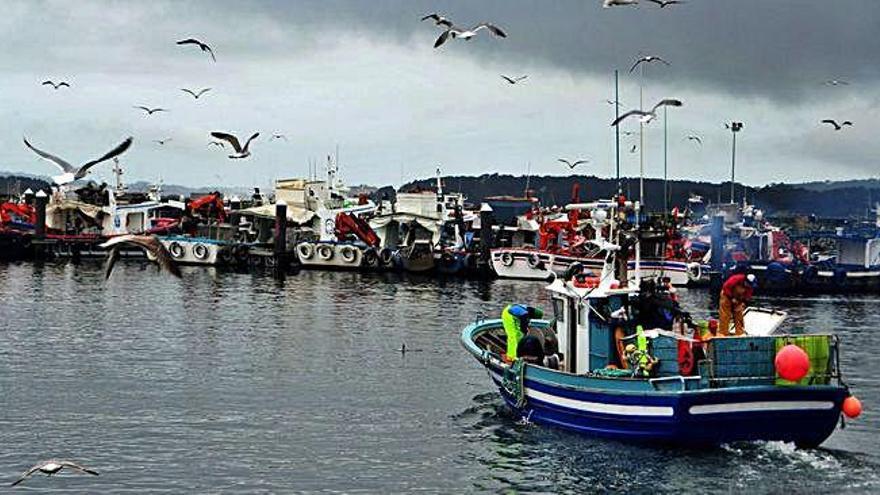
[(622, 362)]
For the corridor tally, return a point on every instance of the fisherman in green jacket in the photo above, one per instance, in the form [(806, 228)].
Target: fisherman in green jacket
[(515, 318)]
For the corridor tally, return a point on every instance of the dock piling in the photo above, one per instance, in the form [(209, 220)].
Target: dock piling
[(280, 243)]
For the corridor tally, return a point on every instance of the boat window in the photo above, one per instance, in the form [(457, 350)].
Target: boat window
[(559, 309)]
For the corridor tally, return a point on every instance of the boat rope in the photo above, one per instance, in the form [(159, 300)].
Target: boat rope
[(513, 383)]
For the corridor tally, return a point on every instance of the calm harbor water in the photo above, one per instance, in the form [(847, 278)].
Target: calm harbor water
[(225, 383)]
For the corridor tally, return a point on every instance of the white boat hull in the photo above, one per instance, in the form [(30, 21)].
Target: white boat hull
[(194, 251), (536, 265), (330, 255)]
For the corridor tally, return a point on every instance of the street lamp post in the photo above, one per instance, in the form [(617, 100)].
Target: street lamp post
[(734, 128)]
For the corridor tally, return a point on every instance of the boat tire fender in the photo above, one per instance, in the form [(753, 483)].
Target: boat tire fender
[(200, 251), (506, 259), (386, 256), (305, 251), (535, 261), (325, 252), (176, 250)]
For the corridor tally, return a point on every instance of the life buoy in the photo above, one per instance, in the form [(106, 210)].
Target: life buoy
[(506, 258), (685, 358), (695, 272), (325, 252), (200, 251), (535, 261), (305, 251), (176, 250), (370, 258), (348, 254), (386, 256)]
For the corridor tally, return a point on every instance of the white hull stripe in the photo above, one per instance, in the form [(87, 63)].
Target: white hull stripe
[(739, 407), (600, 407)]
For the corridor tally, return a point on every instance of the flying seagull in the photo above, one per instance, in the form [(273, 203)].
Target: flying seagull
[(204, 47), (72, 173), (570, 164), (694, 137), (149, 243), (439, 20), (616, 3), (612, 102), (52, 467), (647, 116), (240, 151), (467, 34), (514, 80), (194, 93), (150, 111), (161, 142), (666, 3), (837, 126), (629, 133), (647, 59), (633, 149), (216, 143), (832, 82), (55, 85), (277, 136)]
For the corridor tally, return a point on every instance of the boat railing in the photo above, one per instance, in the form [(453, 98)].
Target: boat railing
[(744, 361)]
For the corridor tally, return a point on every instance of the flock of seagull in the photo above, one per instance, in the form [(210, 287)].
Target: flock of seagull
[(220, 139)]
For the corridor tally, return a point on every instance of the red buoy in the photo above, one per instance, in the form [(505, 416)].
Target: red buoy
[(852, 407), (792, 363)]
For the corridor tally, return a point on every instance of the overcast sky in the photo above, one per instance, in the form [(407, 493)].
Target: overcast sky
[(364, 75)]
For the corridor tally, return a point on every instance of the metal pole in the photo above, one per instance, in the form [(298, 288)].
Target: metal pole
[(642, 139), (280, 241), (733, 169), (665, 180), (617, 127)]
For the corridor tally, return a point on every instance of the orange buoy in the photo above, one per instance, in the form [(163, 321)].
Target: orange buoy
[(852, 407), (792, 363)]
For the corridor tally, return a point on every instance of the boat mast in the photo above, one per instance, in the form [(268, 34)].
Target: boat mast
[(617, 128)]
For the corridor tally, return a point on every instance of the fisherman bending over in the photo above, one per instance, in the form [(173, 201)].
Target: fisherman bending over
[(735, 295), (515, 318)]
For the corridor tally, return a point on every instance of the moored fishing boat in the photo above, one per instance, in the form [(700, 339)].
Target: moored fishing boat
[(620, 362)]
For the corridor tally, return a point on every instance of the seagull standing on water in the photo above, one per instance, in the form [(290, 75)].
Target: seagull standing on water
[(149, 243), (72, 173), (647, 116), (570, 164), (647, 59), (52, 467), (837, 126), (240, 151), (467, 34), (55, 86), (203, 46)]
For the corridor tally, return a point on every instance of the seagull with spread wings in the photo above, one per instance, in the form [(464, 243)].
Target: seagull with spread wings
[(196, 94), (837, 126), (51, 467), (647, 60), (666, 3), (832, 82), (149, 243), (161, 142), (467, 34), (54, 85), (571, 164), (150, 111), (72, 173), (438, 19), (278, 136), (514, 80), (203, 46), (695, 138), (646, 116), (240, 151), (618, 3)]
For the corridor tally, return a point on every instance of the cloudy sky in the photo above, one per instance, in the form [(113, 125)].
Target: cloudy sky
[(363, 75)]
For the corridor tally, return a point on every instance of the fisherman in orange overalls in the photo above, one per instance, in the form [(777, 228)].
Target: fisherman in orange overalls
[(735, 294)]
